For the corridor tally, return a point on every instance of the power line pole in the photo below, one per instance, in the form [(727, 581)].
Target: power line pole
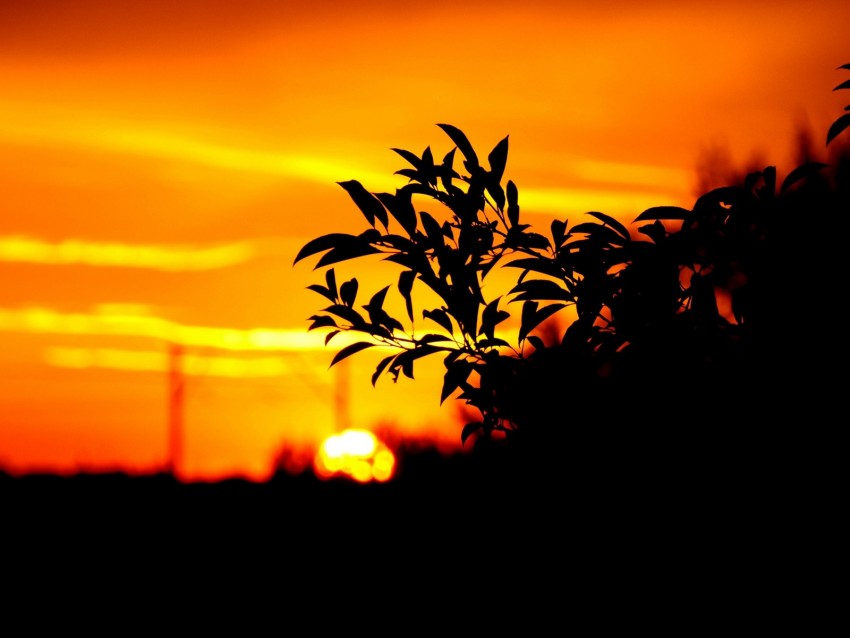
[(176, 389), (341, 396)]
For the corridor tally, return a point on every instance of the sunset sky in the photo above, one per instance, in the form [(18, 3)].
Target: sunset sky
[(161, 163)]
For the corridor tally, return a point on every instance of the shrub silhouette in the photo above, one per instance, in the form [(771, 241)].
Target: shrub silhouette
[(688, 325)]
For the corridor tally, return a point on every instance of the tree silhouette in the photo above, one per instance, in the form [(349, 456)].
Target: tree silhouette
[(685, 327)]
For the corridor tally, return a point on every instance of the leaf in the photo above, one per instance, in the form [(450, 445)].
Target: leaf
[(401, 208), (493, 343), (539, 289), (331, 335), (382, 365), (496, 192), (533, 317), (469, 429), (377, 300), (536, 341), (405, 285), (535, 264), (322, 321), (456, 374), (349, 314), (447, 171), (613, 223), (801, 172), (327, 294), (459, 138), (432, 338), (432, 229), (330, 280), (837, 127), (348, 292), (559, 231), (351, 349), (664, 212), (843, 85), (513, 205), (498, 158), (319, 244), (410, 157), (344, 253), (366, 202), (489, 318), (440, 317)]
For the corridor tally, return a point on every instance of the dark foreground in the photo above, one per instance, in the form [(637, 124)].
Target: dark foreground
[(452, 506), (611, 535)]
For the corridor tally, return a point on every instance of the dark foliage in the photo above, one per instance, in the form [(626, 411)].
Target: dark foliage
[(695, 332)]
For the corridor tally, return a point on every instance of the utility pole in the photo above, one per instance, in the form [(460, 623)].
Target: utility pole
[(176, 388), (341, 395)]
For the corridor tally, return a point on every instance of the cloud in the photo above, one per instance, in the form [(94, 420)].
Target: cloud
[(24, 249)]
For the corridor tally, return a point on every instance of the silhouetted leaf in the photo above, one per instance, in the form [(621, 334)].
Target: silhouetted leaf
[(351, 250), (432, 229), (456, 374), (382, 365), (319, 244), (330, 280), (410, 157), (366, 202), (837, 127), (405, 285), (400, 207), (321, 321), (469, 429), (532, 316), (498, 158), (433, 338), (655, 231), (664, 212), (377, 300), (349, 314), (408, 172), (351, 349), (327, 294), (533, 264), (801, 172), (440, 317), (559, 232), (490, 317), (331, 335), (536, 341), (493, 342), (613, 223), (540, 289), (447, 171), (513, 203), (843, 85), (496, 192), (348, 292), (459, 138)]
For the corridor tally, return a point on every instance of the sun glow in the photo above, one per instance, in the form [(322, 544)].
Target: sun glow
[(357, 454)]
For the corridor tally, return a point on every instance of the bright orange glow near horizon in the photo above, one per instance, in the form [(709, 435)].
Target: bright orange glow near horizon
[(161, 164), (355, 454)]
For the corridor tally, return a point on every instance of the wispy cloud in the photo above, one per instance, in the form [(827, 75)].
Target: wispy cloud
[(24, 249), (119, 322), (159, 362)]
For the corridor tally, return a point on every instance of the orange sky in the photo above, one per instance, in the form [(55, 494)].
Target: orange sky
[(161, 163)]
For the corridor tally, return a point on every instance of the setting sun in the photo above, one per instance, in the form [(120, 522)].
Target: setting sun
[(357, 454)]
